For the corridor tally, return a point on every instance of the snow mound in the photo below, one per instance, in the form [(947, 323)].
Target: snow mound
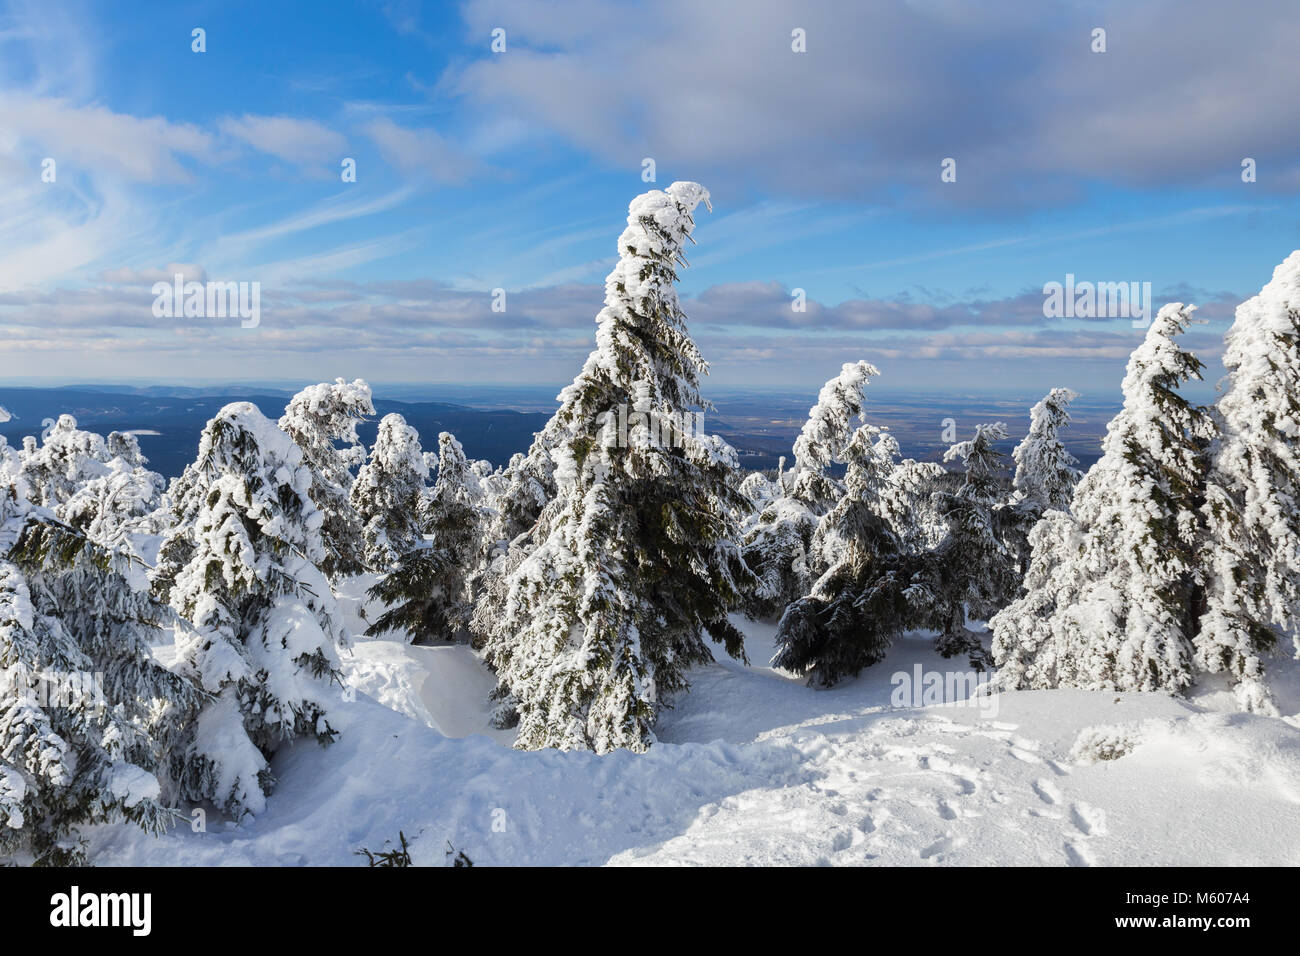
[(753, 767)]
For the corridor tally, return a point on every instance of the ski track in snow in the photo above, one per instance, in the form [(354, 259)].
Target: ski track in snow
[(753, 767)]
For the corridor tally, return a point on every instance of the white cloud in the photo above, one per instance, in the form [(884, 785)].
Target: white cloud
[(305, 142), (423, 151)]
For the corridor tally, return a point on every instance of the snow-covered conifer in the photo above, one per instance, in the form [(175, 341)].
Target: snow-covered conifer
[(859, 604), (113, 507), (1109, 594), (634, 558), (86, 714), (776, 543), (242, 566), (775, 546), (426, 592), (1251, 552), (126, 446), (101, 487), (827, 431), (972, 572), (1045, 472), (760, 490), (389, 493), (322, 420), (63, 462)]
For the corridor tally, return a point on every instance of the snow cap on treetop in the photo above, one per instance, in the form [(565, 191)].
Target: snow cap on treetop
[(1270, 307), (690, 195)]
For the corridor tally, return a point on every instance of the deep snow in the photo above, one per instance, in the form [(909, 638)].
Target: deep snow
[(753, 767)]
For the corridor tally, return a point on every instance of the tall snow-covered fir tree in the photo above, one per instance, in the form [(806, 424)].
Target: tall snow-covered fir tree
[(860, 603), (427, 592), (388, 495), (776, 544), (1109, 599), (241, 564), (1251, 551), (634, 559), (322, 420), (87, 715)]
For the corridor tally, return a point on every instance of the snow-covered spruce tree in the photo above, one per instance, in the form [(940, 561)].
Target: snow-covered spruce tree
[(86, 714), (102, 488), (126, 500), (512, 512), (775, 548), (860, 604), (760, 490), (971, 574), (241, 565), (427, 593), (388, 494), (126, 446), (825, 434), (511, 503), (1045, 472), (11, 464), (530, 479), (1251, 552), (322, 420), (1110, 595), (11, 461), (776, 543), (66, 459), (634, 558), (910, 503)]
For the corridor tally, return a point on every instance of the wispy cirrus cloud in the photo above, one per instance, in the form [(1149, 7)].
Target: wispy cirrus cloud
[(423, 151), (302, 141)]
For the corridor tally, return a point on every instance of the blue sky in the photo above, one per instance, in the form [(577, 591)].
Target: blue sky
[(480, 170)]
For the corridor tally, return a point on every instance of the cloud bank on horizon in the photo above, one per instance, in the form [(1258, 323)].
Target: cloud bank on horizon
[(913, 173)]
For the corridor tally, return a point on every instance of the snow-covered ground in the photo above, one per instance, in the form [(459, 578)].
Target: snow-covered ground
[(753, 767)]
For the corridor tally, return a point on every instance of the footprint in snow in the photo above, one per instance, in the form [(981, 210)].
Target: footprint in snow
[(1047, 791), (936, 850), (1089, 820), (1077, 854)]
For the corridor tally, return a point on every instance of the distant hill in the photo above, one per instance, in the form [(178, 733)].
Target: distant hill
[(170, 421), (494, 422)]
